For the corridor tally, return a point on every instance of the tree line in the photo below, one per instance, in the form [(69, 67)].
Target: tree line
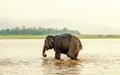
[(35, 31)]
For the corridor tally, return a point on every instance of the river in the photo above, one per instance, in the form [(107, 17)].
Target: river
[(24, 57)]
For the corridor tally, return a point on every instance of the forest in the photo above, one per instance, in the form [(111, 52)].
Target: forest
[(35, 31)]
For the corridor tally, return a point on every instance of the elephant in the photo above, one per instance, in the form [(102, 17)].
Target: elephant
[(63, 44)]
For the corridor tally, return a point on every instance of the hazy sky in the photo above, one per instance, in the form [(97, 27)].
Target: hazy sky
[(99, 12)]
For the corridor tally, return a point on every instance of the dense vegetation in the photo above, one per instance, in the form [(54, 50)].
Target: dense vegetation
[(35, 31), (40, 33)]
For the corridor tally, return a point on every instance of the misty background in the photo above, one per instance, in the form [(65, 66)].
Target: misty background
[(85, 16)]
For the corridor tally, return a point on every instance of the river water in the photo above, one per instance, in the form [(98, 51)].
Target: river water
[(24, 57)]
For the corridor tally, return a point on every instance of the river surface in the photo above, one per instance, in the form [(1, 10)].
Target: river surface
[(24, 57)]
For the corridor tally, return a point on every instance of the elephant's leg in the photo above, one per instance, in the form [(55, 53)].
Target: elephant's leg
[(57, 54), (76, 55), (71, 54)]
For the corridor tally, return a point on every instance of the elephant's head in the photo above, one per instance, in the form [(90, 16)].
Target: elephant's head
[(48, 44)]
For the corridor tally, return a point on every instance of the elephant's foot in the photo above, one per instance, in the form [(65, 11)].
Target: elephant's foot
[(58, 58), (73, 58)]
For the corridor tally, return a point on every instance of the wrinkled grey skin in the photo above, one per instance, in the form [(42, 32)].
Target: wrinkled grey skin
[(64, 43)]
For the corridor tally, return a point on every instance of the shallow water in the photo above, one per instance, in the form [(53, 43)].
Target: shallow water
[(24, 57)]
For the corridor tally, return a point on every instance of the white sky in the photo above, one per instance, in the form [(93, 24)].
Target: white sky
[(100, 12)]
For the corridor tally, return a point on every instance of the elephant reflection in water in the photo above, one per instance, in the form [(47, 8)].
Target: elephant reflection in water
[(64, 43)]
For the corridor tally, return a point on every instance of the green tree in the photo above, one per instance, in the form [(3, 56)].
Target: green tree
[(35, 31)]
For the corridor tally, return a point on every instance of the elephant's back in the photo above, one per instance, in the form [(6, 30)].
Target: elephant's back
[(62, 40), (63, 36)]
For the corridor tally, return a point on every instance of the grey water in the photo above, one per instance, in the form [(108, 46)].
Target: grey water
[(24, 57)]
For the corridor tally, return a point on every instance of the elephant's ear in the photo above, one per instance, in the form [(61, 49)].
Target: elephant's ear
[(50, 38)]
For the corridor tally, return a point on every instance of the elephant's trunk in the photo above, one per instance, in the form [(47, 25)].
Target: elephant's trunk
[(44, 55)]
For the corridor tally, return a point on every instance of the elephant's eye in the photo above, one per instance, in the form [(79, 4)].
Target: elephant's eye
[(49, 42)]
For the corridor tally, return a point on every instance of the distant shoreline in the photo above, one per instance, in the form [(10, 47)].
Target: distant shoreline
[(43, 36)]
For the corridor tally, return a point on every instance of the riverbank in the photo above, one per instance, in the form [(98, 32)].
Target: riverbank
[(43, 36)]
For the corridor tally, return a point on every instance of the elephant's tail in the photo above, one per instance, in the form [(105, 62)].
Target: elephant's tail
[(80, 45)]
